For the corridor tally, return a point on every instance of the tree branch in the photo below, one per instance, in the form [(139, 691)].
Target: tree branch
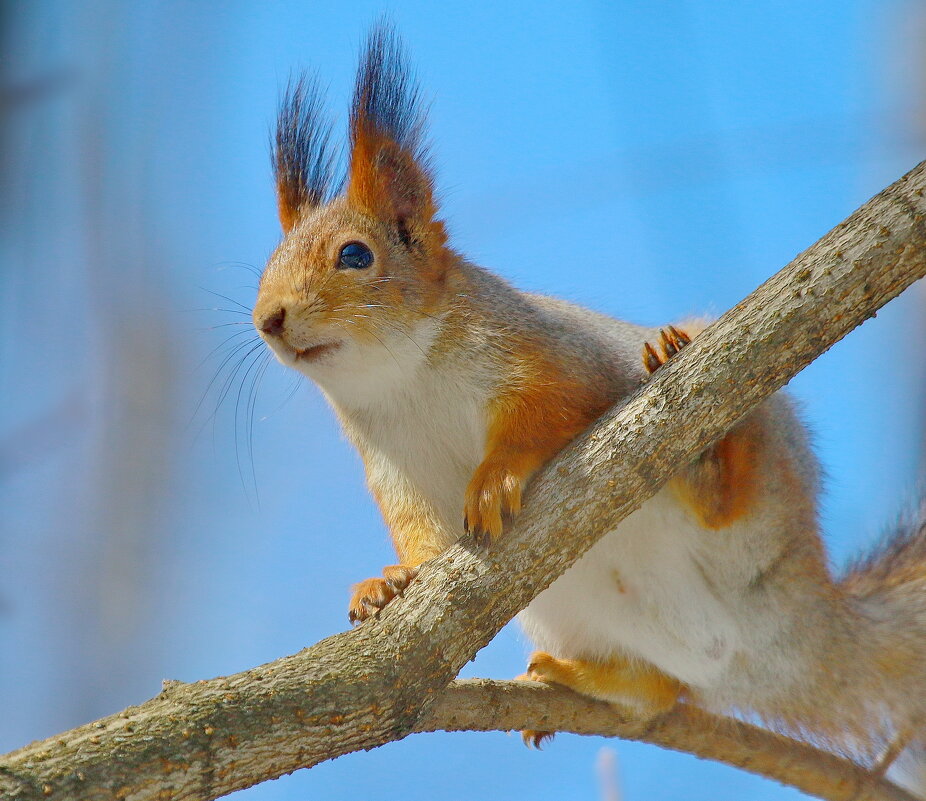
[(486, 705), (372, 685)]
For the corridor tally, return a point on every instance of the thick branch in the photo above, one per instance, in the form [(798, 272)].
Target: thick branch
[(486, 705), (369, 686)]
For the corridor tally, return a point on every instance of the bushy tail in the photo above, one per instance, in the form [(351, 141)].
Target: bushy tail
[(888, 588), (895, 567)]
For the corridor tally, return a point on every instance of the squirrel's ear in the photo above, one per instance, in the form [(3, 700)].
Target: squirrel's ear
[(303, 163), (389, 176)]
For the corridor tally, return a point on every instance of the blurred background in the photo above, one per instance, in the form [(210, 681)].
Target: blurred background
[(173, 507)]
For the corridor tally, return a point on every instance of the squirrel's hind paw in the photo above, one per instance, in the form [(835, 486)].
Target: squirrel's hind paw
[(536, 739), (671, 341), (531, 737)]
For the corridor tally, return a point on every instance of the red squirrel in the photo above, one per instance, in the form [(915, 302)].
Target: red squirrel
[(456, 388)]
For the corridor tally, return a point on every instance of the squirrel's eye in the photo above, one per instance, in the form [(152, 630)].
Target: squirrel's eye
[(355, 256)]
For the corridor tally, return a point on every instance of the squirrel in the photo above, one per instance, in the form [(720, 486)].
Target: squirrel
[(456, 388)]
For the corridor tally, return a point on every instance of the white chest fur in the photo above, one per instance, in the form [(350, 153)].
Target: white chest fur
[(420, 425), (431, 438), (640, 591)]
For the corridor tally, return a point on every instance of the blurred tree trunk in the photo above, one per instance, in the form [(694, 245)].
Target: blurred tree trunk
[(86, 341)]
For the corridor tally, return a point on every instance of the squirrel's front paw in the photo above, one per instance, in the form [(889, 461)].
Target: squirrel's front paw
[(493, 493), (671, 341), (371, 595)]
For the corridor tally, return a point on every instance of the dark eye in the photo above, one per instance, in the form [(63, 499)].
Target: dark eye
[(355, 256)]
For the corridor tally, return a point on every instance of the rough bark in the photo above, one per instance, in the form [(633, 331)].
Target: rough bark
[(486, 705), (372, 685)]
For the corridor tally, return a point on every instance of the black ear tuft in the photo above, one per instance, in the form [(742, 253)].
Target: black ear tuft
[(303, 161), (390, 175), (387, 100)]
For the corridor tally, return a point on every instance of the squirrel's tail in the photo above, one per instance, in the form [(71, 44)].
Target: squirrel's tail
[(887, 588)]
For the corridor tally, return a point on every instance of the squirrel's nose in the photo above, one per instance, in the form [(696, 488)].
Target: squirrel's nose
[(272, 324)]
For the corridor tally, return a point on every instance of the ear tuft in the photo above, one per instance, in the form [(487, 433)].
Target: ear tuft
[(389, 170), (303, 162)]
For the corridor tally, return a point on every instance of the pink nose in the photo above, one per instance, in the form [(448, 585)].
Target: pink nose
[(272, 324)]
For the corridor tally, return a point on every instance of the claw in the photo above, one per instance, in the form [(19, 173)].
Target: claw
[(669, 346), (680, 337), (492, 498), (535, 739), (372, 595), (651, 359), (398, 577), (671, 341)]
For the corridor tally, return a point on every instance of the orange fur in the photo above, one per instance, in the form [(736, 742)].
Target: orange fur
[(388, 184), (371, 595), (385, 180), (639, 686), (720, 487), (414, 531), (365, 189), (529, 422), (286, 210)]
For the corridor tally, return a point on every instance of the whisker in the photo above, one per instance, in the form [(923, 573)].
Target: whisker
[(349, 320), (228, 383), (225, 311), (416, 311), (230, 300), (237, 349), (297, 382), (261, 363), (397, 330), (383, 325), (251, 407), (225, 343), (243, 264), (253, 363), (226, 325)]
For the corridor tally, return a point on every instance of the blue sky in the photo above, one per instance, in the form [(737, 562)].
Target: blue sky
[(651, 160)]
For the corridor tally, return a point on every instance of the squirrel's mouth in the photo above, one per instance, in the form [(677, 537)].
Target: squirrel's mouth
[(316, 351)]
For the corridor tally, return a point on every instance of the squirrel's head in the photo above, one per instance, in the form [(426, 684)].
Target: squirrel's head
[(358, 280)]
